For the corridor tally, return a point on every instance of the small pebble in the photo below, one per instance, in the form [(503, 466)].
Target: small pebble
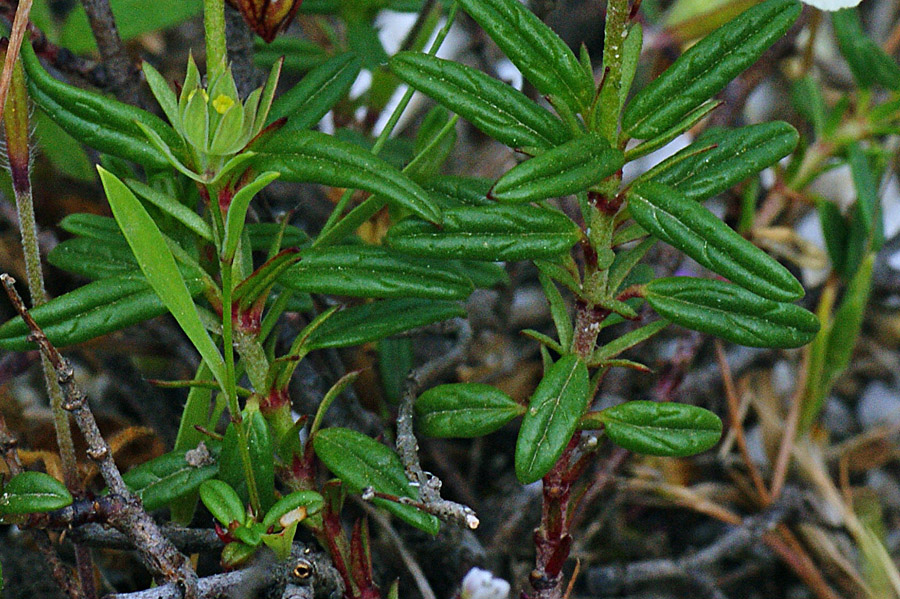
[(878, 404), (481, 584)]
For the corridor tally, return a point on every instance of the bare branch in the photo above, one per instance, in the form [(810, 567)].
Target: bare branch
[(408, 447), (123, 74), (157, 552)]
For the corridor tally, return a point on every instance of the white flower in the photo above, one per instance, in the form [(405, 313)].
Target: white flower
[(832, 4), (481, 584)]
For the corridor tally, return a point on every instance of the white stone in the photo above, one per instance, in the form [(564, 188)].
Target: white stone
[(481, 584)]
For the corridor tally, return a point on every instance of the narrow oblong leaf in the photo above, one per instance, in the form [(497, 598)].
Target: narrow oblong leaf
[(306, 103), (158, 265), (102, 123), (368, 271), (542, 57), (167, 478), (222, 502), (704, 69), (663, 429), (32, 492), (627, 341), (464, 410), (868, 62), (95, 309), (552, 417), (313, 157), (570, 168), (362, 462), (732, 157), (492, 233), (454, 191), (261, 449), (93, 258), (92, 226), (731, 312), (237, 211), (377, 320), (263, 235), (172, 207), (691, 228), (495, 108)]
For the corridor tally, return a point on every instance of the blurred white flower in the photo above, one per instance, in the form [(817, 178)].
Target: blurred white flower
[(832, 4), (481, 584)]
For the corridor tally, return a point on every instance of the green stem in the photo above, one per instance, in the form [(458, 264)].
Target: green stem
[(16, 127), (231, 384), (214, 27), (385, 134), (614, 38)]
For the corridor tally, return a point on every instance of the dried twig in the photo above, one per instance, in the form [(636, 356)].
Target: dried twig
[(305, 575), (407, 445), (157, 553), (408, 558), (738, 427), (606, 580), (790, 430), (123, 75)]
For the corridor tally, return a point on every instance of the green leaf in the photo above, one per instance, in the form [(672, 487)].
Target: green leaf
[(627, 341), (559, 311), (102, 123), (492, 233), (258, 284), (237, 212), (172, 207), (631, 55), (93, 226), (866, 231), (691, 228), (32, 492), (306, 103), (369, 271), (310, 500), (663, 429), (731, 312), (167, 478), (310, 156), (93, 258), (552, 417), (682, 125), (95, 309), (734, 156), (495, 108), (223, 502), (262, 459), (362, 462), (835, 230), (163, 94), (843, 334), (707, 67), (807, 99), (570, 168), (464, 410), (868, 62), (64, 151), (542, 57), (377, 320), (454, 191), (263, 235), (158, 265)]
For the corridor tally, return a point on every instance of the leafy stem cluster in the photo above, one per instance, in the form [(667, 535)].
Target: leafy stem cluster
[(180, 243)]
